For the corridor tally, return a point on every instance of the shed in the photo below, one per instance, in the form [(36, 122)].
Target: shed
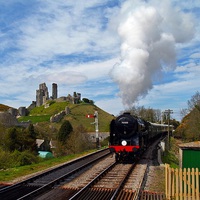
[(45, 154), (189, 155)]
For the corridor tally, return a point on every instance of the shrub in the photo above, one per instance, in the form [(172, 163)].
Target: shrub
[(105, 142), (16, 159), (5, 160), (27, 158)]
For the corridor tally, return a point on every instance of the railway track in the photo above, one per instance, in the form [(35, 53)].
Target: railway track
[(116, 181), (32, 187), (103, 180), (106, 185)]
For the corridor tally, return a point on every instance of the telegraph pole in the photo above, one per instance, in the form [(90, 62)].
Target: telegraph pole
[(168, 112)]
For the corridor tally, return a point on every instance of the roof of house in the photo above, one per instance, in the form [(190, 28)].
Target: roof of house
[(190, 145), (39, 141)]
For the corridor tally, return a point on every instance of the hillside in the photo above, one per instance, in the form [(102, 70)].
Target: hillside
[(3, 107), (77, 116)]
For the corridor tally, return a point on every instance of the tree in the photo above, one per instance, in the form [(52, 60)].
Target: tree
[(189, 128), (64, 131), (194, 102), (31, 131), (11, 139), (78, 141), (21, 139), (85, 100), (148, 114), (31, 139)]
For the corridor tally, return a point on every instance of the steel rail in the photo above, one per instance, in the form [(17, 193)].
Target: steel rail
[(114, 196), (113, 193), (48, 186), (7, 188), (80, 192)]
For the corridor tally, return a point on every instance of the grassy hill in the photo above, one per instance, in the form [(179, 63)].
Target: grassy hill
[(77, 116), (3, 107)]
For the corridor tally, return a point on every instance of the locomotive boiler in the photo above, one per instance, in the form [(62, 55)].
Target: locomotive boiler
[(130, 136)]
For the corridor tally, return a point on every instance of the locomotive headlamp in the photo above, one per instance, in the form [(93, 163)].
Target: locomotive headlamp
[(124, 143)]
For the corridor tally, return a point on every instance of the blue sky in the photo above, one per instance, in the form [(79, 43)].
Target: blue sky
[(118, 53)]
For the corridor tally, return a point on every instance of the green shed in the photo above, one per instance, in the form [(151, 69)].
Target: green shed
[(45, 154), (190, 155)]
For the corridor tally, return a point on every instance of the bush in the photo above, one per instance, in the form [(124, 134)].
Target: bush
[(16, 159), (27, 158), (105, 142), (5, 160), (64, 131)]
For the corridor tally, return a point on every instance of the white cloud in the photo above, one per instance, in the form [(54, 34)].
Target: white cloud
[(76, 44)]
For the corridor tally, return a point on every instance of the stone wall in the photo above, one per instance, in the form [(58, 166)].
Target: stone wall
[(57, 117)]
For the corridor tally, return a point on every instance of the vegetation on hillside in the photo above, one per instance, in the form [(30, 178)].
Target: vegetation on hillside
[(18, 146), (64, 132), (171, 156), (3, 107), (52, 109), (12, 173), (189, 129), (77, 116)]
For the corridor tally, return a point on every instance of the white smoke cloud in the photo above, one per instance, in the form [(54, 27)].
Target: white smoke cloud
[(149, 33)]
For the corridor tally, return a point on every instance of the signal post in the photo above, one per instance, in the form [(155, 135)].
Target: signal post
[(96, 123)]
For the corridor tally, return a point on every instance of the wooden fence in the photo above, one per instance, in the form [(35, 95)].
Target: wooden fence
[(182, 184)]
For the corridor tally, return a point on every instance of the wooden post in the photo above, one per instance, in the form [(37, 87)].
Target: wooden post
[(166, 182), (184, 182), (181, 183), (189, 183), (197, 183), (177, 184)]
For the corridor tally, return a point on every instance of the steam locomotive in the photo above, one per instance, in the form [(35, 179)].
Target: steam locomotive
[(130, 136)]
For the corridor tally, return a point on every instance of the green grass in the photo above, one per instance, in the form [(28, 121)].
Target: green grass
[(171, 159), (14, 173), (76, 117), (170, 156), (53, 109), (35, 119)]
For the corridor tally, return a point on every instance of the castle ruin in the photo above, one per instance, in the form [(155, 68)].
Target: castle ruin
[(42, 95)]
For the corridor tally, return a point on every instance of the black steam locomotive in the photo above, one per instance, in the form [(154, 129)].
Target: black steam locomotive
[(130, 136)]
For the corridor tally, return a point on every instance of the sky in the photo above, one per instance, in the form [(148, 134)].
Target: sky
[(118, 53)]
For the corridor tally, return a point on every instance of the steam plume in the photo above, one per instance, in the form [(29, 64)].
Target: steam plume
[(149, 33)]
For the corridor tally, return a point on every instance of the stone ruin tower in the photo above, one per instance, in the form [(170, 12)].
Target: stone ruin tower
[(42, 95), (76, 98), (54, 91)]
